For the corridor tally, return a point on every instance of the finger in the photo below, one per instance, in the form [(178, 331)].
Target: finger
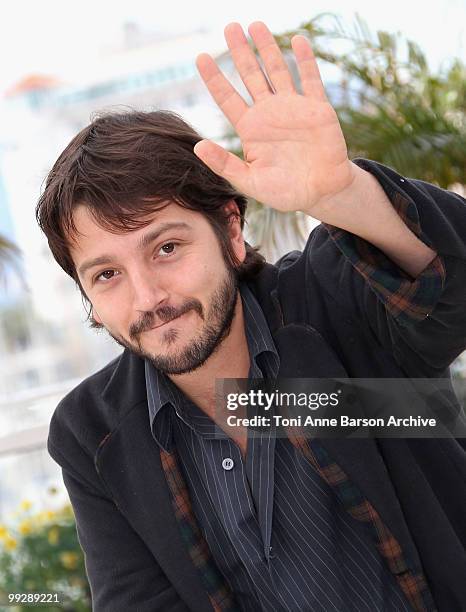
[(225, 95), (274, 62), (224, 163), (309, 73), (246, 62)]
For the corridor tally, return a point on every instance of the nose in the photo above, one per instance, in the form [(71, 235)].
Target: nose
[(148, 293)]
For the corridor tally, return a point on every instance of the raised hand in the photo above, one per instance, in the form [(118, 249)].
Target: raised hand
[(294, 150)]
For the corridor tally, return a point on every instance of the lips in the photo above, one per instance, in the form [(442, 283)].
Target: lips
[(162, 324)]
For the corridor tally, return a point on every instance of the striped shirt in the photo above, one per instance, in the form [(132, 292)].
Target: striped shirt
[(275, 529)]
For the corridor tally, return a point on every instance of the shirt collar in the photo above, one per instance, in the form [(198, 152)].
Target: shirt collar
[(162, 393), (264, 356)]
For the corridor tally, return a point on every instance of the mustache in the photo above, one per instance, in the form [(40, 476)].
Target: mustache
[(163, 315)]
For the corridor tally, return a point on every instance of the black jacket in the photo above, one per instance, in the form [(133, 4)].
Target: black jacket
[(326, 320)]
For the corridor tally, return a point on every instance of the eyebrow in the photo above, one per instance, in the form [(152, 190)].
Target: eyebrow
[(144, 241)]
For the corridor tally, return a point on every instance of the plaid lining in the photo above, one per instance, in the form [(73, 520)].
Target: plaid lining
[(405, 298), (219, 593), (413, 585)]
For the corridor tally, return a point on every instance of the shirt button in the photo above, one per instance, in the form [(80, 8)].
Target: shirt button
[(271, 553), (228, 463)]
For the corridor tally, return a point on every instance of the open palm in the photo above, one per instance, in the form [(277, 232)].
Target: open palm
[(295, 154)]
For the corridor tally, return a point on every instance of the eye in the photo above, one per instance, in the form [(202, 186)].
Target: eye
[(167, 249), (104, 279)]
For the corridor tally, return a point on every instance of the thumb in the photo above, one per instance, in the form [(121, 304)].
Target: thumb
[(224, 163)]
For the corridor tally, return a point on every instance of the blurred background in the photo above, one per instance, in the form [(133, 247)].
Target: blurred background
[(396, 76)]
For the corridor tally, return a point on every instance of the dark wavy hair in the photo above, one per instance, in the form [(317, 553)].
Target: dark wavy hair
[(125, 166)]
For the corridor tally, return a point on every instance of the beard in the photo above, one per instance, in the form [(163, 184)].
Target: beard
[(216, 327)]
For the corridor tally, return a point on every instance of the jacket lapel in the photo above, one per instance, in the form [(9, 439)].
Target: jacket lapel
[(304, 353), (353, 468), (128, 460)]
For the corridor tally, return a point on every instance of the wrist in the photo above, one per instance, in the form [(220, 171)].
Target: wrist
[(340, 206), (365, 210)]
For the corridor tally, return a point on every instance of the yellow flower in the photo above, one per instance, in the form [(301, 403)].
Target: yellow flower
[(45, 516), (40, 517), (25, 505), (3, 532), (53, 536), (10, 543), (69, 559), (25, 527)]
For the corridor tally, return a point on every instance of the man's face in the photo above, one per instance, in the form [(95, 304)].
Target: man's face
[(170, 298)]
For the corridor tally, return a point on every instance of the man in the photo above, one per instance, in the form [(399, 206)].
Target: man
[(147, 218)]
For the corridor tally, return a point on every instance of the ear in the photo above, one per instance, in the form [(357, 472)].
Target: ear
[(236, 233)]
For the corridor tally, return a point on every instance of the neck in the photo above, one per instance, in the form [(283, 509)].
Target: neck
[(199, 385)]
